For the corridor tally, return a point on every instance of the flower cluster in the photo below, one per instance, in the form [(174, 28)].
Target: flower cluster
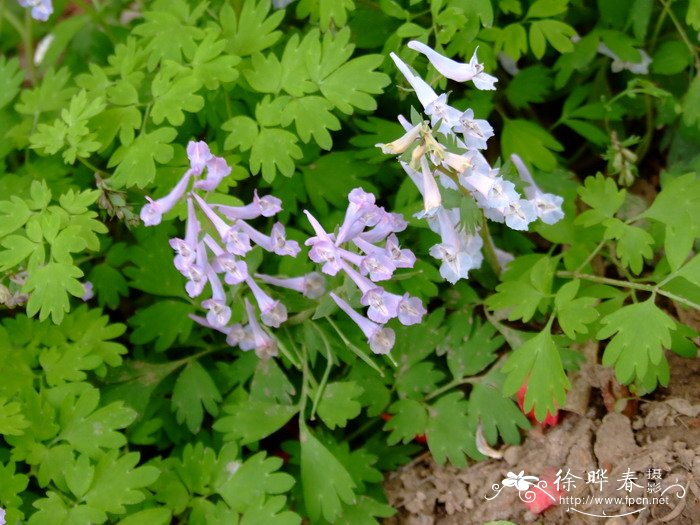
[(445, 152), (356, 251), (216, 260), (41, 9)]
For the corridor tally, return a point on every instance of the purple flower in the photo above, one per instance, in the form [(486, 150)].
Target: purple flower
[(235, 271), (388, 223), (186, 248), (217, 169), (198, 153), (41, 10), (378, 266), (456, 260), (196, 273), (382, 304), (323, 249), (362, 212), (453, 70), (381, 339), (152, 213), (266, 206), (259, 340), (311, 285), (400, 258), (236, 241), (273, 313), (2, 516), (89, 291), (276, 242), (219, 314), (410, 310)]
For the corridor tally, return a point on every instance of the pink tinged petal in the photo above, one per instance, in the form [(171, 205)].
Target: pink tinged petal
[(411, 310), (273, 313), (217, 170), (423, 90), (401, 144), (198, 153), (432, 200), (401, 258), (264, 345), (380, 339)]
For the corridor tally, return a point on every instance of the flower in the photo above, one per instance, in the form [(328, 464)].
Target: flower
[(272, 313), (475, 131), (453, 70), (217, 169), (458, 251), (424, 92), (432, 200), (88, 291), (618, 64), (199, 155), (219, 313), (267, 206), (255, 338), (312, 285), (402, 143), (382, 304), (547, 205), (411, 310), (2, 516), (381, 339), (41, 9), (152, 213)]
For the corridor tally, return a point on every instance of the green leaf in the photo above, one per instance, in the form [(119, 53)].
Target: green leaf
[(172, 31), (257, 476), (633, 244), (154, 516), (640, 333), (49, 286), (339, 403), (163, 322), (496, 413), (88, 430), (171, 98), (557, 33), (692, 17), (691, 271), (136, 163), (447, 429), (118, 482), (274, 150), (193, 392), (11, 78), (244, 132), (530, 85), (312, 118), (691, 103), (538, 363), (252, 420), (12, 421), (409, 419), (676, 207), (17, 249), (363, 512), (325, 482), (251, 30), (521, 297), (574, 314), (475, 351), (109, 283), (270, 513), (531, 142), (14, 213), (209, 66), (547, 8), (601, 194), (671, 58)]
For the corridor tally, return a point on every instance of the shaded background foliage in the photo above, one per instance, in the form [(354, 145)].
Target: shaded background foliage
[(123, 410)]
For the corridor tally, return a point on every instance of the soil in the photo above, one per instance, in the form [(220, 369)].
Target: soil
[(598, 431)]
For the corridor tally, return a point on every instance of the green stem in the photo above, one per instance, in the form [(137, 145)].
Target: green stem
[(13, 20), (682, 33), (91, 166), (286, 353), (654, 289), (29, 46), (590, 256), (326, 373), (490, 248), (449, 386)]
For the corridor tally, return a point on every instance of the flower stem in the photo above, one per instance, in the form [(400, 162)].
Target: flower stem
[(29, 46), (490, 248)]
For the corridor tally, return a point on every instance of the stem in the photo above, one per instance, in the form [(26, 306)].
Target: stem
[(12, 19), (654, 289), (326, 373), (452, 384), (287, 354), (29, 46), (359, 353), (91, 166), (489, 248), (681, 32), (590, 256)]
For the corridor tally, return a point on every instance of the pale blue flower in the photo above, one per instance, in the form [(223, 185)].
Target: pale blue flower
[(152, 213), (411, 310), (454, 70), (273, 313), (198, 154), (217, 170), (311, 285), (266, 206), (547, 205), (257, 339), (41, 10), (475, 131)]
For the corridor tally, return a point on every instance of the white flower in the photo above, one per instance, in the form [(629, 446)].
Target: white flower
[(475, 131), (402, 143), (432, 200), (547, 205), (639, 68), (458, 71)]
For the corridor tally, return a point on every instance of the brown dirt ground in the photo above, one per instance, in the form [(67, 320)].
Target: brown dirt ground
[(661, 432)]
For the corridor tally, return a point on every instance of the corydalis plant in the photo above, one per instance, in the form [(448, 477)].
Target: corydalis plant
[(356, 251), (41, 9), (443, 153), (217, 260)]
